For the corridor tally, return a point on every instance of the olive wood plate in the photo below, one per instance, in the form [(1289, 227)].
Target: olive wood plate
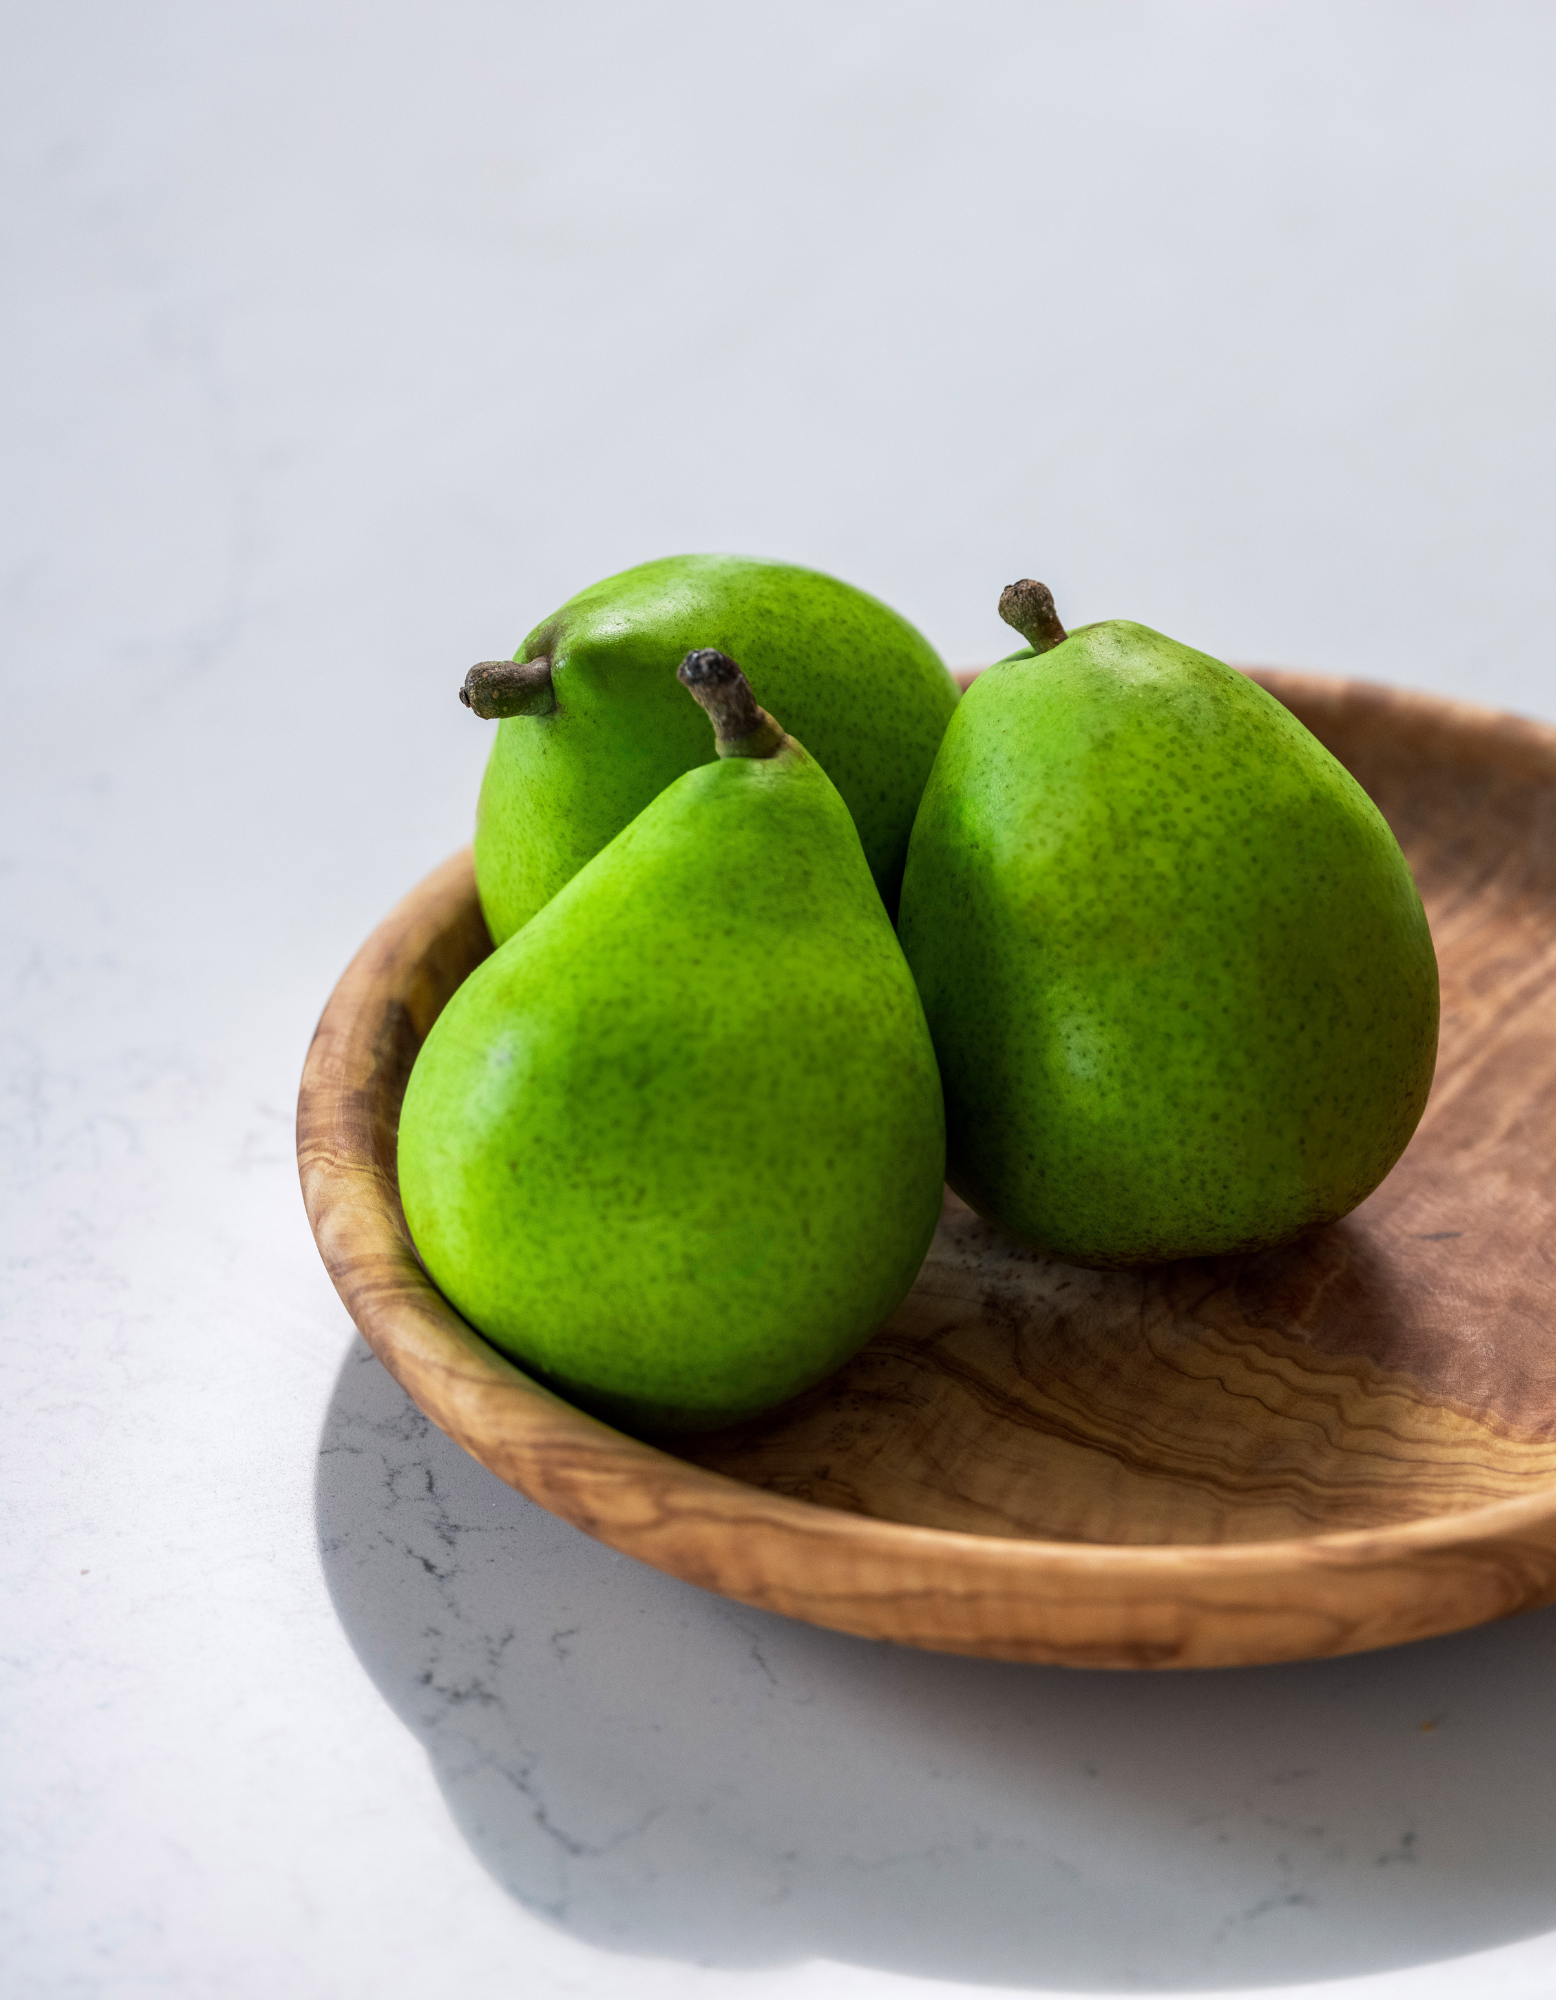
[(1338, 1445)]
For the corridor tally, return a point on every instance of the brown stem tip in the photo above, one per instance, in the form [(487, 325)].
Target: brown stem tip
[(740, 727), (495, 688), (1029, 607)]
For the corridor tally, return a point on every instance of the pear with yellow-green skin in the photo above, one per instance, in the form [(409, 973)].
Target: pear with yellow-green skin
[(594, 726), (1179, 979), (678, 1146)]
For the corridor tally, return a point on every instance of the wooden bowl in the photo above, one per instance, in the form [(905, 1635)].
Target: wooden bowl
[(1342, 1444)]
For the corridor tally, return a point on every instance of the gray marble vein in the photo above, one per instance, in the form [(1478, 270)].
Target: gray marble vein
[(662, 1772)]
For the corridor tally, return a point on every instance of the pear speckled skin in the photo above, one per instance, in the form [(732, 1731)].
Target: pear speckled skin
[(854, 682), (1178, 975), (678, 1146)]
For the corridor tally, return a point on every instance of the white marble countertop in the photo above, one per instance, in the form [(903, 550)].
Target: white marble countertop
[(343, 343)]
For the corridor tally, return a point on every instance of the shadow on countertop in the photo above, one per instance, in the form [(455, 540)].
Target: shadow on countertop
[(662, 1772)]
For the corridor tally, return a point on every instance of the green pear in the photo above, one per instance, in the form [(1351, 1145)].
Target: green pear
[(1177, 973), (594, 725), (678, 1146)]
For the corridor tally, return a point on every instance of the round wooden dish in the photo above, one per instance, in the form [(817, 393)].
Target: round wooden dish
[(1334, 1446)]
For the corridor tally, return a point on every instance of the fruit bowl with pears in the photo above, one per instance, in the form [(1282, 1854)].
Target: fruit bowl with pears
[(1055, 1168)]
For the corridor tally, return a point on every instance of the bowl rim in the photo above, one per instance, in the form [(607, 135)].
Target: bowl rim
[(1012, 1597)]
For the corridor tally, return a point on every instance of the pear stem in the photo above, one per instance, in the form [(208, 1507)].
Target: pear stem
[(1029, 607), (495, 688), (740, 727)]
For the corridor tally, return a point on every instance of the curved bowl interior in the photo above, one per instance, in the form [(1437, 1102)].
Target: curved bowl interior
[(1341, 1444)]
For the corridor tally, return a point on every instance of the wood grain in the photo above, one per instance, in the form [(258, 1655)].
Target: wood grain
[(1342, 1444)]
